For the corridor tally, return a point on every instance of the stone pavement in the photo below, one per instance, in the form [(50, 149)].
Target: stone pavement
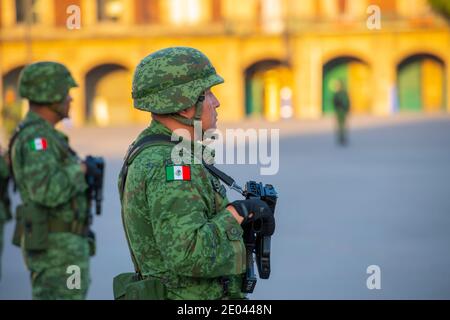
[(383, 200)]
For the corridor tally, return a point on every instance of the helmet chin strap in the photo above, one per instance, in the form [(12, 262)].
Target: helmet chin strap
[(56, 108), (197, 115)]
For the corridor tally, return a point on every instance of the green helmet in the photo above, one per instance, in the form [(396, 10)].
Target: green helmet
[(172, 79), (45, 82)]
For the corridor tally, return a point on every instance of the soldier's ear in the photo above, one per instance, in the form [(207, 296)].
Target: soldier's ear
[(187, 113)]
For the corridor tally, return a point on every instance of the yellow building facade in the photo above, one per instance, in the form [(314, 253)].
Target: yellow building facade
[(280, 58)]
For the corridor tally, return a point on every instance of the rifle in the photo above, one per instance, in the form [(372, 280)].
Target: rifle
[(94, 178), (257, 243)]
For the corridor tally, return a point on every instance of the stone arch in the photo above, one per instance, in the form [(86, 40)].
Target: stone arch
[(108, 95), (362, 56), (10, 79), (417, 51), (421, 83), (355, 74), (268, 89), (106, 60)]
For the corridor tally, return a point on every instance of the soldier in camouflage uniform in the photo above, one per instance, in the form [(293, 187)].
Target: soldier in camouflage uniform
[(5, 213), (51, 181), (341, 103), (181, 228)]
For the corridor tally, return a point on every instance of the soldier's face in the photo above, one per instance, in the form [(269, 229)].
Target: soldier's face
[(66, 105), (209, 113)]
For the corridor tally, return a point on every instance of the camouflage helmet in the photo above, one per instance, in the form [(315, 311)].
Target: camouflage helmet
[(172, 79), (45, 82)]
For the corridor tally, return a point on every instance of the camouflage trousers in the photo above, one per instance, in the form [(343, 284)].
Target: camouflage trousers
[(341, 127), (51, 284), (62, 271)]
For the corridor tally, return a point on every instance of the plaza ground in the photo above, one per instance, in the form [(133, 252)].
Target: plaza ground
[(383, 200)]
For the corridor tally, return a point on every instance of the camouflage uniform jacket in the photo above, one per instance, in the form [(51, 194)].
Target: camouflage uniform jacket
[(48, 175), (180, 231)]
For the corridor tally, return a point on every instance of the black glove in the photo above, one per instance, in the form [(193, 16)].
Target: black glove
[(256, 212)]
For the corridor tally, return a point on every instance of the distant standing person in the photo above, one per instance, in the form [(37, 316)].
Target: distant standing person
[(341, 104)]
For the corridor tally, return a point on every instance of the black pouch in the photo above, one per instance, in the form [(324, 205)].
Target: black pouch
[(120, 283), (35, 227), (127, 286), (18, 229)]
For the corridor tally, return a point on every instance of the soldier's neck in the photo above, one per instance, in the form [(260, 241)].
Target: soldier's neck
[(187, 132), (46, 114)]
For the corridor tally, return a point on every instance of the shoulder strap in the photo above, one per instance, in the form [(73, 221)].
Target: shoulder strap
[(136, 148), (141, 144), (229, 181), (65, 146)]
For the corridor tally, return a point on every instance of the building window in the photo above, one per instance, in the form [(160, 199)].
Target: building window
[(185, 11), (268, 90), (25, 8), (147, 11), (342, 6), (272, 16), (387, 7), (109, 10), (61, 14), (216, 10)]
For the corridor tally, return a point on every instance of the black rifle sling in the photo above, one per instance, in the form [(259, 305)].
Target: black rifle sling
[(135, 149), (138, 146), (229, 181), (133, 152)]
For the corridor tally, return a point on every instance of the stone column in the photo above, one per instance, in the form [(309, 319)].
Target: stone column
[(8, 13), (383, 75), (88, 13), (307, 68), (45, 10), (128, 16)]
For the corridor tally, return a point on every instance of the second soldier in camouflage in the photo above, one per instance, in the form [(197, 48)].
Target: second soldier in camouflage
[(53, 217)]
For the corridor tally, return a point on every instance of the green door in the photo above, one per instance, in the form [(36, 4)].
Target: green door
[(409, 86), (254, 98), (332, 73)]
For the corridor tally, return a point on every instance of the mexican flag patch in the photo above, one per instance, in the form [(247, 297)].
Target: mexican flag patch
[(38, 144), (174, 172)]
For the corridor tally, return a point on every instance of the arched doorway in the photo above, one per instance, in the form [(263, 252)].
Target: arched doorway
[(355, 75), (108, 95), (268, 90), (421, 83)]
